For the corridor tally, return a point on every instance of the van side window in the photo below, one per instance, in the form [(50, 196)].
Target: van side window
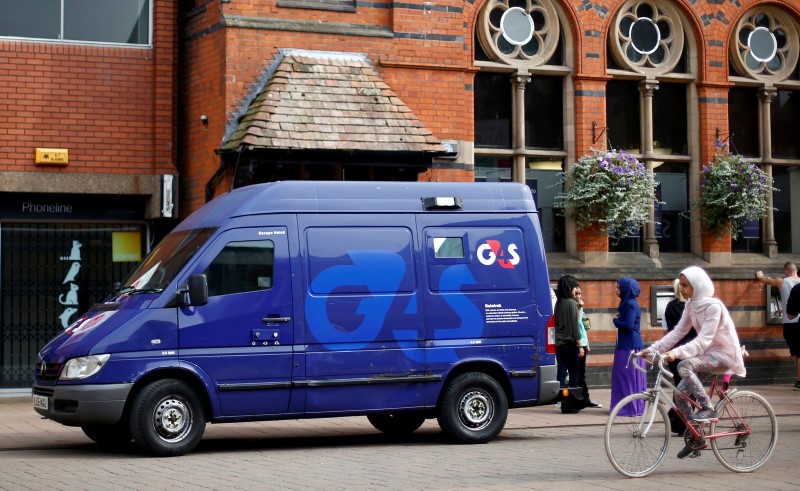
[(448, 247), (242, 267)]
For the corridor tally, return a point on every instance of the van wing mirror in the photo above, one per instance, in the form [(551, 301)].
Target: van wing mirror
[(198, 289)]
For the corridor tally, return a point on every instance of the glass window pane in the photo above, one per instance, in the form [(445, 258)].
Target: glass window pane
[(242, 267), (448, 247), (107, 21), (492, 169), (542, 176), (622, 115), (672, 231), (787, 210), (743, 121), (785, 112), (30, 18), (544, 121), (493, 110), (670, 134)]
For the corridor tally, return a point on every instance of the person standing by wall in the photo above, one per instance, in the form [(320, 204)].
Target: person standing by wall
[(584, 325), (625, 379), (791, 328), (568, 335)]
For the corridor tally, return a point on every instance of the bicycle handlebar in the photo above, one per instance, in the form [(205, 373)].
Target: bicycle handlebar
[(657, 358)]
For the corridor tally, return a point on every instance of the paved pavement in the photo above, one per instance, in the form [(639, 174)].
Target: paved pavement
[(540, 448)]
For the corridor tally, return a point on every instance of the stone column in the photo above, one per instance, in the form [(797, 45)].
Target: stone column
[(765, 97), (647, 88), (519, 166)]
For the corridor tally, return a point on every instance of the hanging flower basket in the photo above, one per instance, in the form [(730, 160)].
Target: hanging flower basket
[(732, 191), (610, 189)]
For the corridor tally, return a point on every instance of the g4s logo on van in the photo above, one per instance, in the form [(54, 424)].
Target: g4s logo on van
[(492, 251)]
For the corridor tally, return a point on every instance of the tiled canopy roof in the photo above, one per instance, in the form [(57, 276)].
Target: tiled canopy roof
[(329, 101)]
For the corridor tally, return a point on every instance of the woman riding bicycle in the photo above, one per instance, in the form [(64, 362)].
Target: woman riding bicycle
[(716, 349)]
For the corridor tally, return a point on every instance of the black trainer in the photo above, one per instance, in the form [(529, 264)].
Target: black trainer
[(688, 452)]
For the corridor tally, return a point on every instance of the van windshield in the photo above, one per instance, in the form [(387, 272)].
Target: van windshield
[(165, 261)]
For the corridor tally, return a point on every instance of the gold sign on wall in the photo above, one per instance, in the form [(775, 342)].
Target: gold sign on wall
[(52, 156)]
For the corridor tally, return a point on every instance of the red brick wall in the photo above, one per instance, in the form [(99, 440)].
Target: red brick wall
[(113, 108), (435, 79)]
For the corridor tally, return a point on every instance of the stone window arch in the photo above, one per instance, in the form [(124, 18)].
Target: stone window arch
[(523, 102), (652, 61), (763, 117)]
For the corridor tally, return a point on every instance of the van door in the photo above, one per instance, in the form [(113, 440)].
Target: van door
[(364, 345), (243, 337)]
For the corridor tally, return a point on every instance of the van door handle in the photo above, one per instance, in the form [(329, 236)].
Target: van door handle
[(276, 319)]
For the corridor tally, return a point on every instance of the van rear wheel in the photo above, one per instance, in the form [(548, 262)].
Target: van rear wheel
[(167, 418), (396, 424), (473, 409)]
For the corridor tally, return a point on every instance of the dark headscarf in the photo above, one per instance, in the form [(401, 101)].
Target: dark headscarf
[(628, 290)]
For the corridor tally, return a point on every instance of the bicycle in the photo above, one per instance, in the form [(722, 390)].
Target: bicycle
[(742, 438)]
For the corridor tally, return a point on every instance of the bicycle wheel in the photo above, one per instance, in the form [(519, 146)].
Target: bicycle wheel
[(636, 445), (744, 452)]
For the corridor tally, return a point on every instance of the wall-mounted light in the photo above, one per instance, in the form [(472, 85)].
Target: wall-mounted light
[(204, 120)]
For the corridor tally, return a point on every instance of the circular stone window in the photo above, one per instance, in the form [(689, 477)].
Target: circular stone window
[(516, 26), (764, 45), (519, 32), (647, 37)]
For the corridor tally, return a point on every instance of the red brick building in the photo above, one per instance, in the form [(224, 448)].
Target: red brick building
[(120, 96), (515, 90), (88, 154)]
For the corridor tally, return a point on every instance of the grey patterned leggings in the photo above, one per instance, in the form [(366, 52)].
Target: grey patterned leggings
[(691, 384)]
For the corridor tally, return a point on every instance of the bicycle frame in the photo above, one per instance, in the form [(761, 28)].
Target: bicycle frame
[(658, 393)]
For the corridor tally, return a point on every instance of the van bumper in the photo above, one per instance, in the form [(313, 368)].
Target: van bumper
[(83, 405), (548, 384)]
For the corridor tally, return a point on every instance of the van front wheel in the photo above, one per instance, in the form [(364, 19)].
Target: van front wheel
[(474, 408), (167, 418)]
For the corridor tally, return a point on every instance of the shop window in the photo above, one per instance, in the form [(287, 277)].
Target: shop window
[(543, 177), (787, 210), (51, 274), (672, 227)]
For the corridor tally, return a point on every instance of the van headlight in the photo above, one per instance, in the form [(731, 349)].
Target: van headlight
[(85, 366)]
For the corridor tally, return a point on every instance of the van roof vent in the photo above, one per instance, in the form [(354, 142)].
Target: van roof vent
[(442, 203)]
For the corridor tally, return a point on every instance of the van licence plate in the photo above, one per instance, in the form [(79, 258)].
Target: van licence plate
[(40, 402)]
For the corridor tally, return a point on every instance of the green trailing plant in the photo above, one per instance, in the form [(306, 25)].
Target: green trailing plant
[(610, 189), (732, 191)]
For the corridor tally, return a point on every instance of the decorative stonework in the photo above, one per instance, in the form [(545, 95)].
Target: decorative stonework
[(647, 37), (764, 44), (519, 32)]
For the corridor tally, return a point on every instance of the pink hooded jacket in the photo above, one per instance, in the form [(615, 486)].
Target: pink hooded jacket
[(716, 333)]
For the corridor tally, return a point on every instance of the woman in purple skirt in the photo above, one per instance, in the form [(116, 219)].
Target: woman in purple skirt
[(627, 380)]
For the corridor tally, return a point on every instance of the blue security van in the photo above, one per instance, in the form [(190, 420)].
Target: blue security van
[(397, 301)]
